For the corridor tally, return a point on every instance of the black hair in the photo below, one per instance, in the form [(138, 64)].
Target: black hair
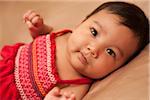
[(132, 17)]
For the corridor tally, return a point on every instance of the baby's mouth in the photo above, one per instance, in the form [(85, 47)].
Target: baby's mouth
[(82, 58)]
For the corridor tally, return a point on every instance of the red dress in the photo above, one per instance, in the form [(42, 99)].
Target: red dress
[(28, 71)]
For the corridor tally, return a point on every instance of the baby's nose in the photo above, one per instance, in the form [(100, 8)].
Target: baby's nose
[(93, 51)]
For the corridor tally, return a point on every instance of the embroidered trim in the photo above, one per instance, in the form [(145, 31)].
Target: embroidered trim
[(42, 63), (35, 69), (34, 85), (53, 56), (17, 79), (49, 68)]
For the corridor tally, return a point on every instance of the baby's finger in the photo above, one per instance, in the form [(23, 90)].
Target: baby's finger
[(26, 15), (52, 94), (67, 94), (37, 21), (55, 91), (32, 15), (31, 27), (72, 97)]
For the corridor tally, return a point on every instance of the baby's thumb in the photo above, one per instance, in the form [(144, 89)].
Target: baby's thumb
[(72, 97), (55, 91), (31, 27)]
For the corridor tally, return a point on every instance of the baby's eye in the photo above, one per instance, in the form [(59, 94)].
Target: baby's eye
[(110, 52), (93, 31)]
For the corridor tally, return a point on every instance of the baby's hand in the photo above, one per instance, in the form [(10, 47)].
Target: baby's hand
[(55, 94), (34, 22)]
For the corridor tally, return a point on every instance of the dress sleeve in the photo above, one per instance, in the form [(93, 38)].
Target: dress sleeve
[(8, 90)]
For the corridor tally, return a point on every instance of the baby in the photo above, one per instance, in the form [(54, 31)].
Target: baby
[(62, 65)]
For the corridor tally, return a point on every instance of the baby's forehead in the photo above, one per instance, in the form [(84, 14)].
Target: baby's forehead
[(102, 14)]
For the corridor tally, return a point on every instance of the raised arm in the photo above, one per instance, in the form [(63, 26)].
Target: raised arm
[(36, 24)]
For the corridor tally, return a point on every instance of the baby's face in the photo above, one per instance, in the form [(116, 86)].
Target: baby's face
[(100, 45)]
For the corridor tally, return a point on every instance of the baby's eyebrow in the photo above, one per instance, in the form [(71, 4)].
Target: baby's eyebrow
[(100, 26), (96, 22)]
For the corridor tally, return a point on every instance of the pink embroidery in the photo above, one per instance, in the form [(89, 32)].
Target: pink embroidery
[(42, 72), (35, 68), (17, 79), (49, 68)]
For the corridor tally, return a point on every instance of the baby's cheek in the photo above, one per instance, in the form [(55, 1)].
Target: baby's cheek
[(106, 64), (121, 62)]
